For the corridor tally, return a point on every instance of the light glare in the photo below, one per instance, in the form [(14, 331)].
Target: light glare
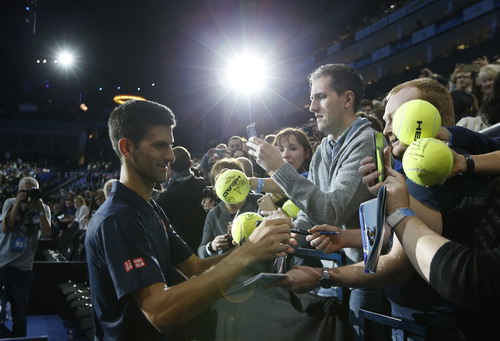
[(246, 73), (66, 58)]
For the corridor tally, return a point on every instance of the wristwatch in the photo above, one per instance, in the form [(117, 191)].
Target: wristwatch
[(325, 281), (396, 216)]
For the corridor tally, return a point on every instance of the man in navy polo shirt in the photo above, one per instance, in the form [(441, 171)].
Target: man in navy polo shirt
[(137, 264)]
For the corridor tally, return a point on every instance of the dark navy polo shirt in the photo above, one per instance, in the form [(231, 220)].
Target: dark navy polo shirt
[(129, 245)]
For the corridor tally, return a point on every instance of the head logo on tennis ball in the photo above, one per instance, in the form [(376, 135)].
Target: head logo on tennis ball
[(243, 226), (427, 162), (415, 120), (232, 186)]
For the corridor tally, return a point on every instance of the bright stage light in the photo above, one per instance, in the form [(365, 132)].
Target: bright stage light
[(66, 58), (246, 73)]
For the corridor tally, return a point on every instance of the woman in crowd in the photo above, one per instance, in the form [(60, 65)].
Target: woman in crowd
[(295, 149), (489, 114), (81, 212)]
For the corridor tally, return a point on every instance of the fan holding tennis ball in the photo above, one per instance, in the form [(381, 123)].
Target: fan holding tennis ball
[(232, 186), (414, 120), (428, 162), (243, 226)]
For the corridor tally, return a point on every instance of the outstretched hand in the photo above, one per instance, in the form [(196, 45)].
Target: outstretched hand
[(269, 240), (326, 243), (267, 156), (301, 279)]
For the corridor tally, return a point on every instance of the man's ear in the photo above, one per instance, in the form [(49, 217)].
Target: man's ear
[(349, 99), (126, 148)]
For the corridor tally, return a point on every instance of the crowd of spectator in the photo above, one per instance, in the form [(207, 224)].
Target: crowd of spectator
[(74, 196)]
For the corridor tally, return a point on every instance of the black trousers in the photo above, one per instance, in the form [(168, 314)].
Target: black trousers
[(17, 284)]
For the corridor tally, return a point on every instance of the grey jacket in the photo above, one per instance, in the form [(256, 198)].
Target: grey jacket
[(334, 190)]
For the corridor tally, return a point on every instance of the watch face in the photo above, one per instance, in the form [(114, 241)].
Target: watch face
[(325, 280), (325, 283)]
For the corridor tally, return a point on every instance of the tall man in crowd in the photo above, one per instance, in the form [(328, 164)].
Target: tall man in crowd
[(25, 219), (133, 254), (333, 190)]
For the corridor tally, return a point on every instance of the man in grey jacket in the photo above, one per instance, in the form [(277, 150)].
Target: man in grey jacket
[(333, 190)]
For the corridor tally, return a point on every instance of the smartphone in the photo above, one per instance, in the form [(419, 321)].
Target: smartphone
[(266, 203), (251, 131), (378, 139)]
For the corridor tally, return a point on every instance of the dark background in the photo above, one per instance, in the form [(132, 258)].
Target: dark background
[(180, 46)]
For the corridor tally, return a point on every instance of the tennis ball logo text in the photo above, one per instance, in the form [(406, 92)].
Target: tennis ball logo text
[(233, 183), (418, 131)]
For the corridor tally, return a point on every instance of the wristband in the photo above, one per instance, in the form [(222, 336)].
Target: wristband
[(260, 185), (471, 165)]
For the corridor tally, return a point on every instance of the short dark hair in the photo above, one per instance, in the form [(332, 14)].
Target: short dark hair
[(182, 159), (133, 119), (344, 78)]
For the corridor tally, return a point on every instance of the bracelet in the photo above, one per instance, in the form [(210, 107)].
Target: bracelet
[(260, 185), (471, 165)]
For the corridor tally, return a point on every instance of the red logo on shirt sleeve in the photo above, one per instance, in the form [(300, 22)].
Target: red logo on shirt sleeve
[(128, 265), (139, 262)]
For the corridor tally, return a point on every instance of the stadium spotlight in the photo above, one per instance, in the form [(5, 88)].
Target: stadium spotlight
[(65, 59), (245, 73)]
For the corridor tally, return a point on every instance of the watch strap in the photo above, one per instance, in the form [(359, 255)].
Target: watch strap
[(471, 165), (396, 216), (325, 281)]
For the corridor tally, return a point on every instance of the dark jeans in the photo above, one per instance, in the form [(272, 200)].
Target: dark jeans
[(17, 284)]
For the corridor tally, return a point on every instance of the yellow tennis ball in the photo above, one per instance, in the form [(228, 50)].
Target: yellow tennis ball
[(232, 186), (243, 226), (290, 209), (414, 120), (427, 162)]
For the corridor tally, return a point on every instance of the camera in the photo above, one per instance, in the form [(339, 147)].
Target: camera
[(33, 193)]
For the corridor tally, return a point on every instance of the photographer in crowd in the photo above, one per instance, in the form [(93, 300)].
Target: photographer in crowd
[(25, 218)]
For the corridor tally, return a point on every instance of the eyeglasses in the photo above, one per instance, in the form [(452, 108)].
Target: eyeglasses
[(463, 77)]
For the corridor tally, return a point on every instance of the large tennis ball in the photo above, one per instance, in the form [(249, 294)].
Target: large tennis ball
[(232, 186), (243, 226), (291, 209), (427, 162), (415, 120)]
